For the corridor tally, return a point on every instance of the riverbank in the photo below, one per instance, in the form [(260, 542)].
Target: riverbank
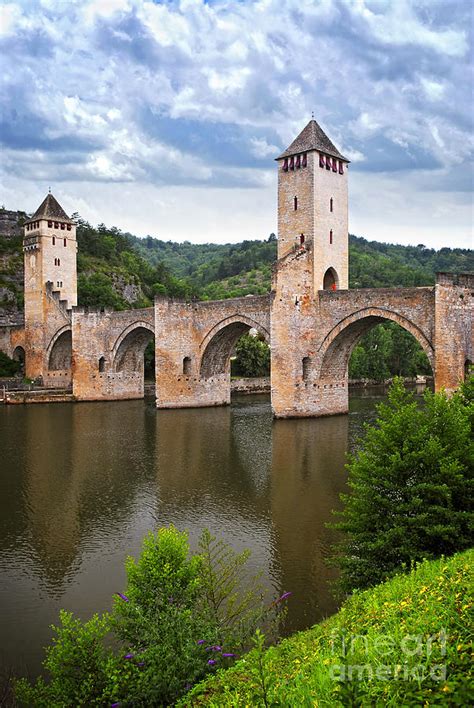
[(405, 642)]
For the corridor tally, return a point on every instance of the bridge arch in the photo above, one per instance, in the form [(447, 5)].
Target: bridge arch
[(59, 351), (129, 348), (216, 347), (336, 348)]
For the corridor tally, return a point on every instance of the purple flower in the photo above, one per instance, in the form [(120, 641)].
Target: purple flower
[(211, 662), (128, 656), (141, 663), (114, 705), (202, 641), (285, 596), (122, 596), (228, 656), (215, 647)]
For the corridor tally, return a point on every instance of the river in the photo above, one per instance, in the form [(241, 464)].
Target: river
[(82, 483)]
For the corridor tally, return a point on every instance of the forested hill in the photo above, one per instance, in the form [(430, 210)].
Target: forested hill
[(119, 270), (226, 270)]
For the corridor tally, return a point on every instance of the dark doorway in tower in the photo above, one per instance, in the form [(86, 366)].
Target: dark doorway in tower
[(19, 356), (331, 280)]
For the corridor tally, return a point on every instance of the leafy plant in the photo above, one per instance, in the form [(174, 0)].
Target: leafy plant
[(411, 484), (181, 616)]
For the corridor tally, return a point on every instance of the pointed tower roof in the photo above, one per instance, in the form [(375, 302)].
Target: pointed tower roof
[(312, 137), (50, 208)]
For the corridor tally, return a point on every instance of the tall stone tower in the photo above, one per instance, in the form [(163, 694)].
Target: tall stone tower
[(313, 208), (50, 253)]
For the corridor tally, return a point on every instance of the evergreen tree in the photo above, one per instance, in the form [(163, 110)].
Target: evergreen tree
[(411, 486)]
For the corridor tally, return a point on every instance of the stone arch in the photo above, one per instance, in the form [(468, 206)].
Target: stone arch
[(19, 356), (330, 280), (128, 351), (219, 342), (336, 349), (59, 352)]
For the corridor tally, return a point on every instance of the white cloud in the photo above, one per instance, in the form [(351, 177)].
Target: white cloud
[(190, 93)]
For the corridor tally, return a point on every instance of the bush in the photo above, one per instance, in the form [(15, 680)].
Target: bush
[(180, 617), (411, 487)]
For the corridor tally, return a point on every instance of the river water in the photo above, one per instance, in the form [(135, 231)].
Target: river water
[(81, 484)]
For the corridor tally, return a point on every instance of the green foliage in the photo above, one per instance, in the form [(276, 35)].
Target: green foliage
[(406, 642), (181, 617), (252, 357), (235, 612), (78, 663), (8, 367), (411, 485), (387, 350)]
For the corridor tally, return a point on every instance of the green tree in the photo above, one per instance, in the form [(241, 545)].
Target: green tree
[(252, 357), (411, 484), (8, 367)]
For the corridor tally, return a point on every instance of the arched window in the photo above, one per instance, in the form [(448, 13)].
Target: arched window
[(330, 237), (331, 204), (65, 241), (101, 364), (187, 366), (306, 363), (331, 280), (295, 203), (54, 240)]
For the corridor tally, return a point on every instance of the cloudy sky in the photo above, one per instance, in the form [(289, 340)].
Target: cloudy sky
[(163, 118)]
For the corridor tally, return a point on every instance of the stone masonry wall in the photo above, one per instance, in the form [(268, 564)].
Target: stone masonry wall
[(453, 335)]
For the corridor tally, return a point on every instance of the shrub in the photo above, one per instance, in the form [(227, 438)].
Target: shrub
[(180, 617), (8, 367), (410, 487)]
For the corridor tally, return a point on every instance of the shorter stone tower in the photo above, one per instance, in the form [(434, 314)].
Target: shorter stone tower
[(313, 206), (50, 255)]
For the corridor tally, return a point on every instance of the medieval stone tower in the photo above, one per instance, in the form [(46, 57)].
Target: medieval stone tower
[(312, 207), (50, 252)]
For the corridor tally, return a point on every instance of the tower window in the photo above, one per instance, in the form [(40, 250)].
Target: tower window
[(334, 165), (68, 227), (56, 224), (330, 236), (292, 163), (50, 224), (328, 163), (63, 226), (341, 167), (304, 160), (285, 165), (57, 262), (65, 241), (295, 203), (298, 161), (331, 204), (321, 160), (54, 241), (187, 366), (301, 239), (101, 364)]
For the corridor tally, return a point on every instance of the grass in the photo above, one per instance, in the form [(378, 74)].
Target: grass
[(406, 642)]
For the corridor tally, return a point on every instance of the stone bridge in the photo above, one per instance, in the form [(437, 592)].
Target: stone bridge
[(193, 343), (313, 338)]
